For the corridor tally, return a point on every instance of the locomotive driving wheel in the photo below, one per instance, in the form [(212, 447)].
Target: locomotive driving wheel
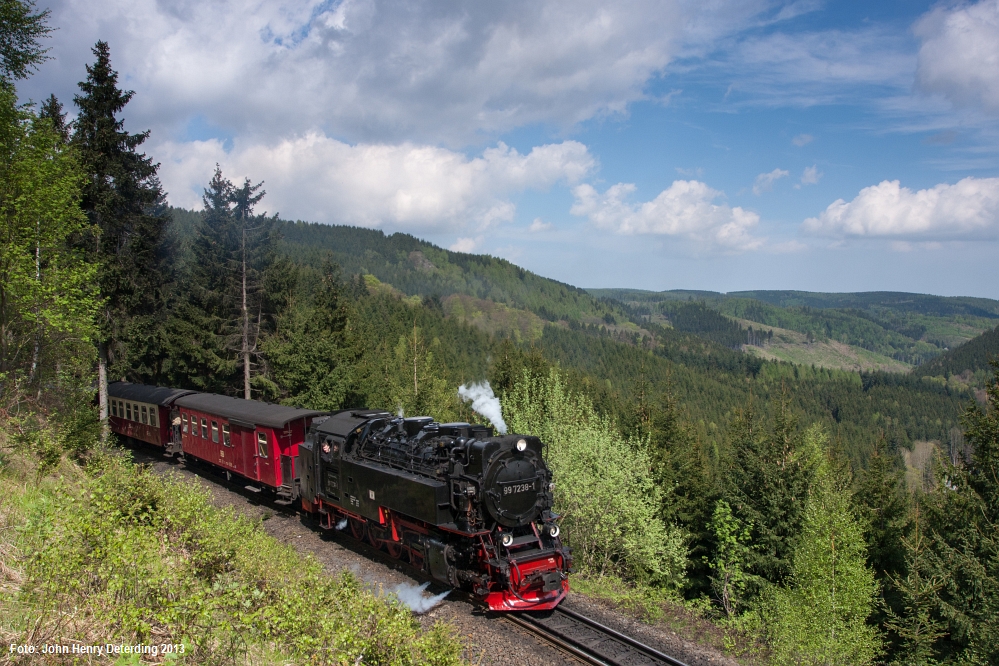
[(394, 549), (357, 528)]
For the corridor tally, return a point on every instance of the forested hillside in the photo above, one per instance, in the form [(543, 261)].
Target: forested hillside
[(971, 358), (910, 328)]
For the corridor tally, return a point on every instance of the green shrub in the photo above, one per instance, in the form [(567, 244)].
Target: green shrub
[(124, 554), (603, 486)]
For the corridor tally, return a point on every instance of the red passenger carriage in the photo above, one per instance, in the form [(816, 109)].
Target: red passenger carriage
[(256, 440), (141, 412)]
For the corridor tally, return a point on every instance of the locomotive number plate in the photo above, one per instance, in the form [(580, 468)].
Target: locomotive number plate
[(518, 488)]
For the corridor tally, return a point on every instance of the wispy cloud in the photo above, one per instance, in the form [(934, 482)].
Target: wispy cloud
[(765, 181), (539, 225), (802, 140), (811, 175), (466, 245)]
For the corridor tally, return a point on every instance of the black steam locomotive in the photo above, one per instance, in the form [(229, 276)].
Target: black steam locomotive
[(470, 508)]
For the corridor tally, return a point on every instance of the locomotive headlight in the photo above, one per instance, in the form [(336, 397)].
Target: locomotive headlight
[(521, 444), (507, 539), (553, 531)]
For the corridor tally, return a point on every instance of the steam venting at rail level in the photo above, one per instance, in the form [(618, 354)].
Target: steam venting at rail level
[(412, 596), (484, 403)]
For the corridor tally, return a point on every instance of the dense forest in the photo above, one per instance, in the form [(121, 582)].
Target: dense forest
[(768, 496)]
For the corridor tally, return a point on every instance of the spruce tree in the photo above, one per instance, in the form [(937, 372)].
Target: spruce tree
[(120, 196), (313, 353), (51, 110), (960, 551), (229, 309), (883, 506), (766, 485), (820, 615)]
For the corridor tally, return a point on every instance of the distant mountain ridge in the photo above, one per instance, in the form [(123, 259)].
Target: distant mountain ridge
[(905, 327)]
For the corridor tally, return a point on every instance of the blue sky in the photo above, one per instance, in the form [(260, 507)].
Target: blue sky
[(725, 145)]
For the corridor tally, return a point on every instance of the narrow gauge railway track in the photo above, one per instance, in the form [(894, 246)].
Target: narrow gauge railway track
[(588, 640)]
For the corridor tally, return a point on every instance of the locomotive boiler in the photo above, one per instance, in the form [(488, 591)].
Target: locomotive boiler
[(470, 508)]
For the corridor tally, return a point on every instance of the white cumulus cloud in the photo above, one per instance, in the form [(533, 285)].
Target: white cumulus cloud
[(959, 54), (968, 209), (765, 181), (686, 209), (406, 186)]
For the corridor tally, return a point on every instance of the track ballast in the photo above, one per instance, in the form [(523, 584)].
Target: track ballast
[(590, 641)]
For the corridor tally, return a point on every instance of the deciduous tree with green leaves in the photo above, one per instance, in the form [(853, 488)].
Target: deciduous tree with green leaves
[(47, 299)]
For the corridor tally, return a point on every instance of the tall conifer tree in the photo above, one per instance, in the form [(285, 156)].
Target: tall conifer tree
[(766, 486), (229, 309), (119, 198)]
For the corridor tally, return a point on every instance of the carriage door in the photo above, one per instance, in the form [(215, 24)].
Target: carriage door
[(265, 451)]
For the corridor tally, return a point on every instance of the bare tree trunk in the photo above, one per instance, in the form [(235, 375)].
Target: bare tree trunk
[(102, 387), (246, 328), (38, 325)]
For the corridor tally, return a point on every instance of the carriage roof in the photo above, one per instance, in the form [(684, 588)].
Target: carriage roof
[(157, 395), (252, 412)]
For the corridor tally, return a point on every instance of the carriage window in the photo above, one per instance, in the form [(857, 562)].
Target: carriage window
[(183, 422), (135, 412), (215, 432), (204, 428), (128, 410), (114, 408), (262, 444), (152, 417), (225, 434), (143, 419)]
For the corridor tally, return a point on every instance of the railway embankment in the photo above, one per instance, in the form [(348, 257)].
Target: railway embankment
[(111, 562)]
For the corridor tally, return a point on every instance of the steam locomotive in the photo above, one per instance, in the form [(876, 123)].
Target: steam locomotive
[(470, 508)]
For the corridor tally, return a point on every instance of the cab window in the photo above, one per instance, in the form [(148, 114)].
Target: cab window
[(215, 432), (183, 423), (262, 444), (225, 434), (204, 428)]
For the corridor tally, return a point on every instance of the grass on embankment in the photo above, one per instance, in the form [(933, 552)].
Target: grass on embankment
[(112, 553)]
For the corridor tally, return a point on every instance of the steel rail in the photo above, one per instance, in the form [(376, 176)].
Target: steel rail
[(598, 645), (555, 640)]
